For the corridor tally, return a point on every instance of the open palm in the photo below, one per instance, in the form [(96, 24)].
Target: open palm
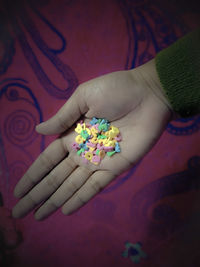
[(59, 177)]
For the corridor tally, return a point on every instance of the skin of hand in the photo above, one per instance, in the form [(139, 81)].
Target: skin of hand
[(131, 100)]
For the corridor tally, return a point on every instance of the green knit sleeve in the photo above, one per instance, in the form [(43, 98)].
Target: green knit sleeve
[(178, 68)]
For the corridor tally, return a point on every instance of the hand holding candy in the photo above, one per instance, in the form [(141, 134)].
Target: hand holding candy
[(133, 103), (99, 137)]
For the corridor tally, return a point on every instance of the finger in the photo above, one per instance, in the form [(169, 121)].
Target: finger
[(45, 188), (50, 157), (66, 116), (64, 192), (94, 185)]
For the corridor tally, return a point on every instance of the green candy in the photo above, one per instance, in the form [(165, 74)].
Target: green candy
[(110, 153), (101, 136), (80, 151), (84, 134), (103, 127)]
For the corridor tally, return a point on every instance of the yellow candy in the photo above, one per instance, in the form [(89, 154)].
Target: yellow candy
[(114, 131), (94, 131), (79, 139), (110, 139), (88, 131), (78, 128), (105, 141), (112, 134), (102, 154), (109, 143), (84, 126), (94, 140), (96, 163), (95, 137), (88, 156), (92, 149), (107, 133), (100, 141)]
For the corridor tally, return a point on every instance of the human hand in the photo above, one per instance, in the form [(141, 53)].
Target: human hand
[(131, 100)]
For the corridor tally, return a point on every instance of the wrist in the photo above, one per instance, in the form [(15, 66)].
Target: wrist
[(148, 74)]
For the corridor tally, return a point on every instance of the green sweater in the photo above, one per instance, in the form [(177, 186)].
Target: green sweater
[(178, 68)]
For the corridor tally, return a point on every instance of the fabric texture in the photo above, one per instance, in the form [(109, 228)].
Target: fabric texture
[(178, 67), (145, 216)]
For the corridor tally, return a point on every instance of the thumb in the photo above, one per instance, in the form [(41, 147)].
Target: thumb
[(66, 116)]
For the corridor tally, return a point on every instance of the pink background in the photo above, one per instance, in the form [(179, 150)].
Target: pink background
[(46, 49)]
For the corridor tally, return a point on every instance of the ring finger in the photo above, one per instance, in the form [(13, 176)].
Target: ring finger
[(73, 183), (45, 188)]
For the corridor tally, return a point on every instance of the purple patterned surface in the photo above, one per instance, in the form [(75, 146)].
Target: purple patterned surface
[(46, 49)]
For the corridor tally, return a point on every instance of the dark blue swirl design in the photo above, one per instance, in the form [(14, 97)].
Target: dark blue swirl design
[(148, 21), (128, 9), (143, 21), (161, 34), (145, 37), (164, 219), (190, 126), (19, 128), (58, 34), (132, 34), (6, 45), (21, 14), (3, 165), (19, 125)]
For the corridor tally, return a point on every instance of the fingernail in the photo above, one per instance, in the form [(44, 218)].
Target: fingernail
[(14, 213), (37, 217), (67, 212), (38, 125)]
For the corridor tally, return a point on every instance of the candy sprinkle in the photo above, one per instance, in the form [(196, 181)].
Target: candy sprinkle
[(96, 140)]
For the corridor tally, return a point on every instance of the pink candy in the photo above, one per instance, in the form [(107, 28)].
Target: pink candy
[(99, 147), (118, 138), (91, 144), (107, 148), (75, 146), (92, 139), (96, 158)]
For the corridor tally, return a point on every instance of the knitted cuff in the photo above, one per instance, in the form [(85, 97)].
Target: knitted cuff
[(178, 68)]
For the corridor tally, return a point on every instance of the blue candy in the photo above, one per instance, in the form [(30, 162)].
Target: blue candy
[(117, 147), (93, 121), (84, 146)]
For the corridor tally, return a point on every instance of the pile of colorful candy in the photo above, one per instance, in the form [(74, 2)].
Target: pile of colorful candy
[(96, 139)]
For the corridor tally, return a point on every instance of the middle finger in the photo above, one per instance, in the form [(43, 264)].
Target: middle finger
[(77, 178), (45, 188)]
